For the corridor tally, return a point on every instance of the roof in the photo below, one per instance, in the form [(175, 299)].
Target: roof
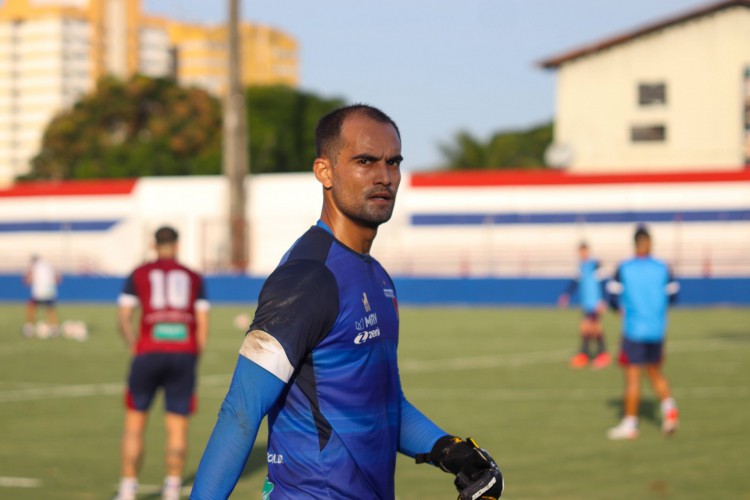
[(555, 61)]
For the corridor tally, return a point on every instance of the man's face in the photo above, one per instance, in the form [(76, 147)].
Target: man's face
[(367, 171), (643, 245)]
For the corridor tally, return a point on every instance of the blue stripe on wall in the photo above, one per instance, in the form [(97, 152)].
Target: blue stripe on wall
[(500, 292), (48, 226), (473, 219), (76, 288)]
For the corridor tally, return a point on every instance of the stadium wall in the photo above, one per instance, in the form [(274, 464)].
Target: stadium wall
[(508, 292), (446, 225)]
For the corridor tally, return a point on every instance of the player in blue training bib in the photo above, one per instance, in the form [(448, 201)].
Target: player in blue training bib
[(589, 287), (642, 290), (320, 357)]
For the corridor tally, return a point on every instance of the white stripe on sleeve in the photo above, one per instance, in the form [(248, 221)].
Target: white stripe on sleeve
[(264, 350), (202, 305), (127, 300)]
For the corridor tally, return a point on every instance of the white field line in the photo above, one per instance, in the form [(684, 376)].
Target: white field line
[(541, 357), (60, 391), (547, 395), (479, 362), (34, 392), (46, 391), (19, 482), (155, 489)]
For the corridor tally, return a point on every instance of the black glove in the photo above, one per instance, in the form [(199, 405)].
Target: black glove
[(477, 474)]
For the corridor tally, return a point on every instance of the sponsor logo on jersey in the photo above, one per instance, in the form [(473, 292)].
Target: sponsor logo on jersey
[(367, 335), (366, 322), (369, 321), (275, 458)]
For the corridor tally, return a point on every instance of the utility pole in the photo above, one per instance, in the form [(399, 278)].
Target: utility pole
[(235, 157)]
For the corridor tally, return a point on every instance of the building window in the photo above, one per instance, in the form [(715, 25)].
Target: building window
[(648, 133), (652, 94)]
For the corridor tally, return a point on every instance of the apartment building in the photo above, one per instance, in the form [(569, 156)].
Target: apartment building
[(270, 56), (53, 51)]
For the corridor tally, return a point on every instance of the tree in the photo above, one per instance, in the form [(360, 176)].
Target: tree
[(139, 127), (151, 126), (511, 149), (281, 125)]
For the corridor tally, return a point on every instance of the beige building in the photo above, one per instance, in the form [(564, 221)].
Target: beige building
[(671, 95), (53, 51)]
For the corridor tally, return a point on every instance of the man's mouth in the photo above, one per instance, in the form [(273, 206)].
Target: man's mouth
[(381, 196)]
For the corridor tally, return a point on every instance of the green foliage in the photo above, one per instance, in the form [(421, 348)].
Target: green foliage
[(281, 124), (142, 126), (512, 149), (152, 127)]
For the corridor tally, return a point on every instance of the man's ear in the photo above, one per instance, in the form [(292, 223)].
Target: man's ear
[(323, 169)]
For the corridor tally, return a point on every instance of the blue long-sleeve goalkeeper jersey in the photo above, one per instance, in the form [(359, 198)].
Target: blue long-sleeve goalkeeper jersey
[(643, 288), (327, 377)]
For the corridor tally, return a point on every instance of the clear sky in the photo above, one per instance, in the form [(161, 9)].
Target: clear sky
[(437, 66)]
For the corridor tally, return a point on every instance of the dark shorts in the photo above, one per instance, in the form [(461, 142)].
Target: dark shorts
[(591, 315), (42, 302), (174, 372), (641, 353)]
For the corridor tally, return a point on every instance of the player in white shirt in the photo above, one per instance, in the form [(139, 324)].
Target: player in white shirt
[(43, 279)]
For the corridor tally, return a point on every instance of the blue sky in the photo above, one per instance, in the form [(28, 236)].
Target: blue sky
[(437, 66)]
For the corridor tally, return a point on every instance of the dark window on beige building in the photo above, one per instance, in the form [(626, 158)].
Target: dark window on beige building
[(648, 133), (652, 94)]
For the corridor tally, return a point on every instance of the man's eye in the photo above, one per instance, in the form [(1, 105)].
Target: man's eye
[(364, 161), (393, 163)]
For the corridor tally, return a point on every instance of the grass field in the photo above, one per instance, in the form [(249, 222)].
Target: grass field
[(499, 375)]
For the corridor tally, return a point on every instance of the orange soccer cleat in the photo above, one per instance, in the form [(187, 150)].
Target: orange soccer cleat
[(580, 360), (601, 361)]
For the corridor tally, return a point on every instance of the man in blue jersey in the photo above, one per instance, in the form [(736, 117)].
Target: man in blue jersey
[(642, 289), (320, 357), (590, 291)]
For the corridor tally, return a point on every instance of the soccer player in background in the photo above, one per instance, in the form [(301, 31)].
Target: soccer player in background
[(590, 289), (42, 278), (320, 357), (172, 333), (642, 290)]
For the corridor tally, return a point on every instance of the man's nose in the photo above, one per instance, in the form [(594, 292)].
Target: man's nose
[(383, 174)]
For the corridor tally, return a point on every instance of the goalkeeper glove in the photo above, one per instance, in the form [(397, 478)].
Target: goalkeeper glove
[(477, 474)]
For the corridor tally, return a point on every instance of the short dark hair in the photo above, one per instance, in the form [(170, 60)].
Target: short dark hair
[(328, 130), (165, 235), (583, 245), (641, 232)]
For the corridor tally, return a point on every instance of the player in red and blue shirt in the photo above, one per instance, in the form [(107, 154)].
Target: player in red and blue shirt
[(172, 333), (320, 357)]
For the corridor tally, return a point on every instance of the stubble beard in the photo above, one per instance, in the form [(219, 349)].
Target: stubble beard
[(365, 214)]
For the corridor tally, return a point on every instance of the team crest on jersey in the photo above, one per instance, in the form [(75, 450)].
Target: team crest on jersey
[(365, 302)]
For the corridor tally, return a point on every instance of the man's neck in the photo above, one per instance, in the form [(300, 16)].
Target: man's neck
[(358, 238)]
